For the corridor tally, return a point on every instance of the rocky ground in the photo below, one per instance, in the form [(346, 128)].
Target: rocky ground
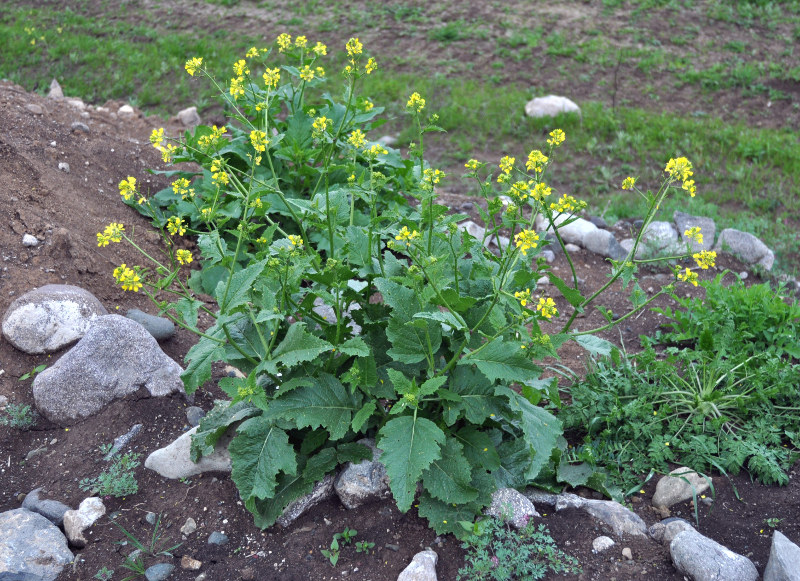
[(60, 163)]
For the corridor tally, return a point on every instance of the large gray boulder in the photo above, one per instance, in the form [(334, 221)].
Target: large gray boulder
[(602, 242), (52, 510), (784, 560), (31, 547), (50, 318), (512, 506), (708, 229), (704, 559), (115, 358), (573, 233), (745, 246), (659, 239), (679, 485)]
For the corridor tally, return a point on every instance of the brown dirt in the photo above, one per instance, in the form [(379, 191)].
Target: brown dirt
[(65, 210)]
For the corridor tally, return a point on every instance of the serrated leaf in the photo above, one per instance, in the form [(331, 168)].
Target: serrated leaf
[(409, 446), (444, 518), (259, 452), (410, 342), (238, 291), (515, 457), (478, 401), (500, 361), (326, 403), (214, 424), (353, 452), (211, 247), (187, 308), (572, 295), (288, 489), (595, 345), (355, 346), (402, 384), (479, 449), (320, 464), (431, 385), (443, 317), (200, 357), (363, 415), (296, 347), (574, 474), (448, 478), (638, 297)]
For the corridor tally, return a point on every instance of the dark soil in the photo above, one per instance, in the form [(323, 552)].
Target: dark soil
[(65, 210)]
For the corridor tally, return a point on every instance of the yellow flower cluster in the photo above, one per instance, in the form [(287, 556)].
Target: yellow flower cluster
[(259, 140), (406, 234), (354, 47), (240, 68), (237, 87), (182, 189), (431, 177), (547, 308), (371, 66), (175, 225), (193, 64), (536, 161), (357, 138), (284, 42), (694, 234), (295, 240), (218, 175), (375, 151), (320, 125), (681, 169), (272, 77), (523, 296), (525, 240), (157, 138), (112, 233), (688, 276), (183, 256), (557, 137), (127, 188), (416, 102), (541, 191), (705, 259), (472, 164), (628, 183), (567, 203), (210, 140), (320, 49), (307, 73), (520, 191), (127, 278)]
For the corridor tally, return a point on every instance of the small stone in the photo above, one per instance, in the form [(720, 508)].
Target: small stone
[(602, 543), (63, 166), (627, 554), (126, 112), (151, 518), (188, 527), (201, 577), (421, 568), (511, 505), (392, 547), (679, 485), (189, 117), (572, 247), (77, 521), (78, 126), (190, 564), (33, 108), (194, 414), (55, 91), (76, 103), (52, 510), (548, 255), (743, 275), (159, 572), (160, 328), (217, 538), (550, 106), (467, 206), (387, 140), (30, 240)]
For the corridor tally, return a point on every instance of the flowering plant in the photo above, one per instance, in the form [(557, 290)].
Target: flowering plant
[(353, 303)]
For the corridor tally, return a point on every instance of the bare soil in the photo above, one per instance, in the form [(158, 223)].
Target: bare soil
[(65, 210)]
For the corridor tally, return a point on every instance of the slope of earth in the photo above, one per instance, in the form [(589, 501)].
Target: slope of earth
[(64, 210)]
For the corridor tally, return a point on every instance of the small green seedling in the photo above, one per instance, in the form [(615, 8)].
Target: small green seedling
[(364, 546), (346, 536), (32, 372), (104, 574)]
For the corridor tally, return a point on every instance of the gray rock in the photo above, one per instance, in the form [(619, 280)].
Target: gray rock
[(121, 441), (387, 140), (77, 521), (97, 371), (151, 518), (571, 248), (511, 505), (173, 461), (30, 240), (573, 233), (673, 528), (703, 559), (656, 532), (421, 568), (627, 244), (160, 328), (55, 91), (31, 547), (189, 117), (601, 544), (784, 560), (707, 228), (615, 517), (323, 490), (478, 232), (539, 496), (79, 126), (217, 538), (159, 572), (35, 109), (745, 246), (126, 112), (76, 103), (548, 255), (658, 238), (365, 482), (63, 166), (550, 106), (679, 485), (598, 221), (602, 242), (194, 414), (52, 510), (627, 554), (188, 527), (49, 318)]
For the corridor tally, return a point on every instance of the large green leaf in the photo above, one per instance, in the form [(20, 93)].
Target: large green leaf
[(595, 345), (211, 247), (215, 424), (540, 428), (409, 445), (501, 361), (327, 403), (572, 295), (200, 357), (477, 399), (267, 510), (479, 449), (237, 292), (444, 318), (297, 346), (448, 478), (259, 451), (410, 342)]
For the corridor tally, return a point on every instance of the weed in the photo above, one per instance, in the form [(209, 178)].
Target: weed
[(104, 574), (33, 372), (364, 546), (118, 480), (135, 561), (18, 416), (346, 536)]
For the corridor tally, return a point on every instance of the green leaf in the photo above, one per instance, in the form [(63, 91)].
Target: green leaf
[(363, 415), (638, 296), (320, 464), (187, 309), (479, 449), (444, 518), (353, 452), (200, 357), (410, 343), (296, 347), (327, 403), (402, 384), (448, 478), (288, 489), (211, 247), (259, 451), (574, 474), (572, 295), (215, 424), (595, 345), (355, 346), (430, 386), (478, 401), (540, 428), (238, 291), (444, 318), (409, 445), (500, 361)]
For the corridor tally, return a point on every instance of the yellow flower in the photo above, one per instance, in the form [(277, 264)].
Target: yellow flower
[(166, 152), (557, 137), (175, 225), (472, 164), (523, 296), (525, 240), (367, 105), (181, 188), (183, 256), (547, 308), (130, 281), (688, 276), (193, 64), (118, 272), (259, 140), (295, 240), (208, 141), (689, 186), (536, 161), (416, 102), (237, 87), (307, 73), (567, 203), (253, 52), (217, 173), (357, 138), (520, 191), (354, 47), (113, 232), (127, 188), (206, 213), (320, 125), (680, 168), (320, 49), (300, 42), (431, 177), (284, 42), (541, 191), (628, 182), (102, 239), (240, 68), (406, 234), (320, 72), (507, 164), (371, 66), (705, 259), (157, 136), (376, 150), (694, 234)]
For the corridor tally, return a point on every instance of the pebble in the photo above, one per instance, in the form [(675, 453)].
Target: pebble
[(190, 564), (159, 572), (194, 414), (394, 548), (627, 554), (151, 518), (78, 126), (217, 538), (189, 527), (35, 109), (63, 166), (160, 328), (600, 544), (30, 240)]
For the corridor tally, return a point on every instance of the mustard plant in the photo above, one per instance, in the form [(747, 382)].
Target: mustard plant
[(352, 302)]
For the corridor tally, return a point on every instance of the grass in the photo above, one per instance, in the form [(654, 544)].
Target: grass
[(751, 174)]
